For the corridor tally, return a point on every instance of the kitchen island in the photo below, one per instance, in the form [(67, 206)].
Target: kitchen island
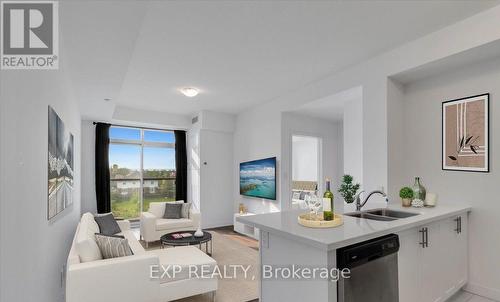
[(425, 239)]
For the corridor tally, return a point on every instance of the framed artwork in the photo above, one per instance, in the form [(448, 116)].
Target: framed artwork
[(60, 166), (465, 128)]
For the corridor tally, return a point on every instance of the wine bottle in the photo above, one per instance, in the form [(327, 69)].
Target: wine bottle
[(328, 202)]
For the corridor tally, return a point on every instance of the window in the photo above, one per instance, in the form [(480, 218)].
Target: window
[(142, 167)]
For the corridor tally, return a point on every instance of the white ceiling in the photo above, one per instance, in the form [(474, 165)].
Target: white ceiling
[(240, 53)]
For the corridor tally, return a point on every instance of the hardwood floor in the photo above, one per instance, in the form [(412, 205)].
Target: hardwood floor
[(229, 233)]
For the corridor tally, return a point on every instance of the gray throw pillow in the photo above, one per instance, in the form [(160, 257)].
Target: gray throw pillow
[(185, 209), (173, 210), (113, 246), (107, 224)]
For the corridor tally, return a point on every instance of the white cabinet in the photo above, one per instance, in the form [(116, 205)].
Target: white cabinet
[(433, 260), (245, 229)]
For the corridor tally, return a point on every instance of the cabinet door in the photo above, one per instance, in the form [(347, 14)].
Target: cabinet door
[(431, 269), (409, 265), (454, 263), (463, 245)]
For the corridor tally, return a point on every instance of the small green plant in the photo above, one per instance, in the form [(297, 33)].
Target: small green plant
[(406, 193), (347, 189)]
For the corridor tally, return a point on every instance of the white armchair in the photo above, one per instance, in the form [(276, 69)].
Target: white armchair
[(153, 225)]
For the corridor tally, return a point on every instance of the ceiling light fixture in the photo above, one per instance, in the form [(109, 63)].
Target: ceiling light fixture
[(189, 91)]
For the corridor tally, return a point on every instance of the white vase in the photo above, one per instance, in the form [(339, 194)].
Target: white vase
[(198, 233)]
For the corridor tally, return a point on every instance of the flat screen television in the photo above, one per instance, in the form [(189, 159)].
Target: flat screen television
[(258, 178)]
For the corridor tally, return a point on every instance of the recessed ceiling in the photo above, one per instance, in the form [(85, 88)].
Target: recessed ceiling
[(239, 54)]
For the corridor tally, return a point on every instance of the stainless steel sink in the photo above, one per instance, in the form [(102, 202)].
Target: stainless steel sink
[(381, 214), (391, 213), (370, 216)]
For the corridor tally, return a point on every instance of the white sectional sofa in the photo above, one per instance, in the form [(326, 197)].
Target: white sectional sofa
[(130, 279), (153, 225)]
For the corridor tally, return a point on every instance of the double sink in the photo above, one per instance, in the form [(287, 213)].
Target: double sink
[(381, 214)]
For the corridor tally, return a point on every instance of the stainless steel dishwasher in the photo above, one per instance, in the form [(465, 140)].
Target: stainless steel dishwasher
[(374, 271)]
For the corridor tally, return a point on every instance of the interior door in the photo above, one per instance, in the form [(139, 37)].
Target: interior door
[(217, 191)]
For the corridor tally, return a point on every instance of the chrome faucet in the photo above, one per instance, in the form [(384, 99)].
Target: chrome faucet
[(360, 204)]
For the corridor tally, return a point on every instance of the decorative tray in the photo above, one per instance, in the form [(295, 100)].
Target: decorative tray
[(307, 221)]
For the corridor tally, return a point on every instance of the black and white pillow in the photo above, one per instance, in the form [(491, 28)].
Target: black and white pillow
[(113, 246)]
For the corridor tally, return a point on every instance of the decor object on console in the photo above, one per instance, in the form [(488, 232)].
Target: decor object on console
[(60, 166), (153, 225), (406, 194), (465, 134), (347, 189), (133, 277), (242, 208)]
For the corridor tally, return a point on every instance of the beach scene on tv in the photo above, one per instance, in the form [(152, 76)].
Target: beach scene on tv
[(258, 178)]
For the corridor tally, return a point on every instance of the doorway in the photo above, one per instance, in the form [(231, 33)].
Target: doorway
[(306, 167)]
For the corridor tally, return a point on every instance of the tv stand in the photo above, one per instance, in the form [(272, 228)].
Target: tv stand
[(244, 229)]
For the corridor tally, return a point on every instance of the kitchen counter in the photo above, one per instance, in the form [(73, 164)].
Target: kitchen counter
[(284, 242), (353, 230)]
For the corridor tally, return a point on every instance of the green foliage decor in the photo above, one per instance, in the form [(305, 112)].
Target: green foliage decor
[(406, 193), (347, 189)]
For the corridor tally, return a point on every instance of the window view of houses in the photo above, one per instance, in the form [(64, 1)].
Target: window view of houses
[(153, 153)]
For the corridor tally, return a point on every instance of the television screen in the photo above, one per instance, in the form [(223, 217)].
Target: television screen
[(258, 178)]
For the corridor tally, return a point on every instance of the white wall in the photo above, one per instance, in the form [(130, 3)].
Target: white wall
[(331, 149), (353, 138), (33, 250), (421, 147), (305, 158), (257, 135)]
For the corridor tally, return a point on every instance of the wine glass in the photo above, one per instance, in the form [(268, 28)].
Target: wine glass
[(316, 202), (308, 199)]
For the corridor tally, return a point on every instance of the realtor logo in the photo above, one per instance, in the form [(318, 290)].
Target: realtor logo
[(29, 35)]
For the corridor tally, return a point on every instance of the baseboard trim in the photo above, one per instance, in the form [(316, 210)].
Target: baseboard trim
[(490, 293), (217, 225)]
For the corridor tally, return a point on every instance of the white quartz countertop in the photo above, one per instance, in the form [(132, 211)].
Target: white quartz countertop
[(353, 230)]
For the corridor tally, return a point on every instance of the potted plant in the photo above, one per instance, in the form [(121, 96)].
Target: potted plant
[(406, 194), (347, 189)]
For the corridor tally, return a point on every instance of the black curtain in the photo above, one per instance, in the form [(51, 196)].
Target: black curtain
[(102, 176), (181, 166)]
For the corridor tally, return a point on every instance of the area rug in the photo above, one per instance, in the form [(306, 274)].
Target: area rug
[(229, 250)]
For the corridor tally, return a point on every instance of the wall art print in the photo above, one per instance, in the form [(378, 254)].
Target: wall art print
[(60, 166), (466, 134)]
